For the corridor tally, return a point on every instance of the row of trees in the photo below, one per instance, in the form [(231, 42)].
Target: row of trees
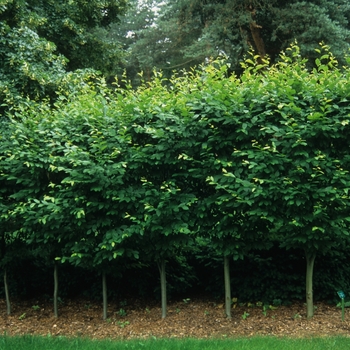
[(241, 163)]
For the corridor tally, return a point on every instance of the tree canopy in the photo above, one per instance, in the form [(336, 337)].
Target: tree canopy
[(182, 34), (45, 44), (240, 162), (41, 41)]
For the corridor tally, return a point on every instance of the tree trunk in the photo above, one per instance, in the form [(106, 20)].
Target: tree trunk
[(255, 30), (55, 289), (227, 280), (310, 260), (7, 295), (161, 266), (104, 295)]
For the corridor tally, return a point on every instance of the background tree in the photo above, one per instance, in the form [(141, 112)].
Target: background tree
[(43, 40), (186, 33), (135, 35), (75, 27)]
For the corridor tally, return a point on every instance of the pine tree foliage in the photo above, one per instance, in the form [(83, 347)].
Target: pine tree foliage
[(187, 32)]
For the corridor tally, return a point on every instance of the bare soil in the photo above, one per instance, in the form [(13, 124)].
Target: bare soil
[(200, 318)]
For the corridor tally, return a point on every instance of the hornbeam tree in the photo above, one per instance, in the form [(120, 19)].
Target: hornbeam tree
[(232, 223), (163, 212), (297, 158), (275, 151)]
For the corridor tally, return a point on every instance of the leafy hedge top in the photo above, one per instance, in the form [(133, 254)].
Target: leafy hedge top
[(242, 161)]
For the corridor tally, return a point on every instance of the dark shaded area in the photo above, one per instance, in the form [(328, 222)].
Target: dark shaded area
[(271, 277)]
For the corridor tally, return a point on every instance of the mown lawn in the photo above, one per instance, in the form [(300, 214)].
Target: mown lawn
[(258, 343)]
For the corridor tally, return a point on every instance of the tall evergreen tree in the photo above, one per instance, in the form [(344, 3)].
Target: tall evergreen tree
[(187, 32)]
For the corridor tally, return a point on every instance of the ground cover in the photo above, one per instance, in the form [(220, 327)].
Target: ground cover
[(187, 318)]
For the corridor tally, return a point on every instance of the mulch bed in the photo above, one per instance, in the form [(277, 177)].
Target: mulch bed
[(193, 318)]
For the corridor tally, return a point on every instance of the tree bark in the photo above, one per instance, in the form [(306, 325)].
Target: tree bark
[(227, 280), (161, 266), (310, 260), (255, 30), (258, 41), (104, 295), (55, 289), (7, 295)]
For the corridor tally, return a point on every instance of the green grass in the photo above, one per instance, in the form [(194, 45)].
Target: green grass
[(256, 343)]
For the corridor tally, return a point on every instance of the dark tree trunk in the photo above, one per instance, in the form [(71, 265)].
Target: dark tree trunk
[(255, 31), (162, 271), (310, 261), (104, 294), (7, 295), (227, 280), (55, 289)]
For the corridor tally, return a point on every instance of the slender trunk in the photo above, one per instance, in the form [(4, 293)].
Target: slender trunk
[(55, 290), (161, 266), (104, 294), (310, 260), (7, 295), (227, 286), (148, 74)]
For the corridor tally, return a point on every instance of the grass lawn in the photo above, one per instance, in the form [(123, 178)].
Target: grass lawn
[(258, 343)]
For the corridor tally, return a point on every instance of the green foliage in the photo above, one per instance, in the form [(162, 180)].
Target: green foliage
[(122, 324), (206, 160), (30, 68), (50, 48), (122, 313), (22, 317), (183, 34), (75, 28), (245, 315)]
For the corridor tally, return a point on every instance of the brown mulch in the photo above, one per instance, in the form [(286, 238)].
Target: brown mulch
[(194, 318)]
